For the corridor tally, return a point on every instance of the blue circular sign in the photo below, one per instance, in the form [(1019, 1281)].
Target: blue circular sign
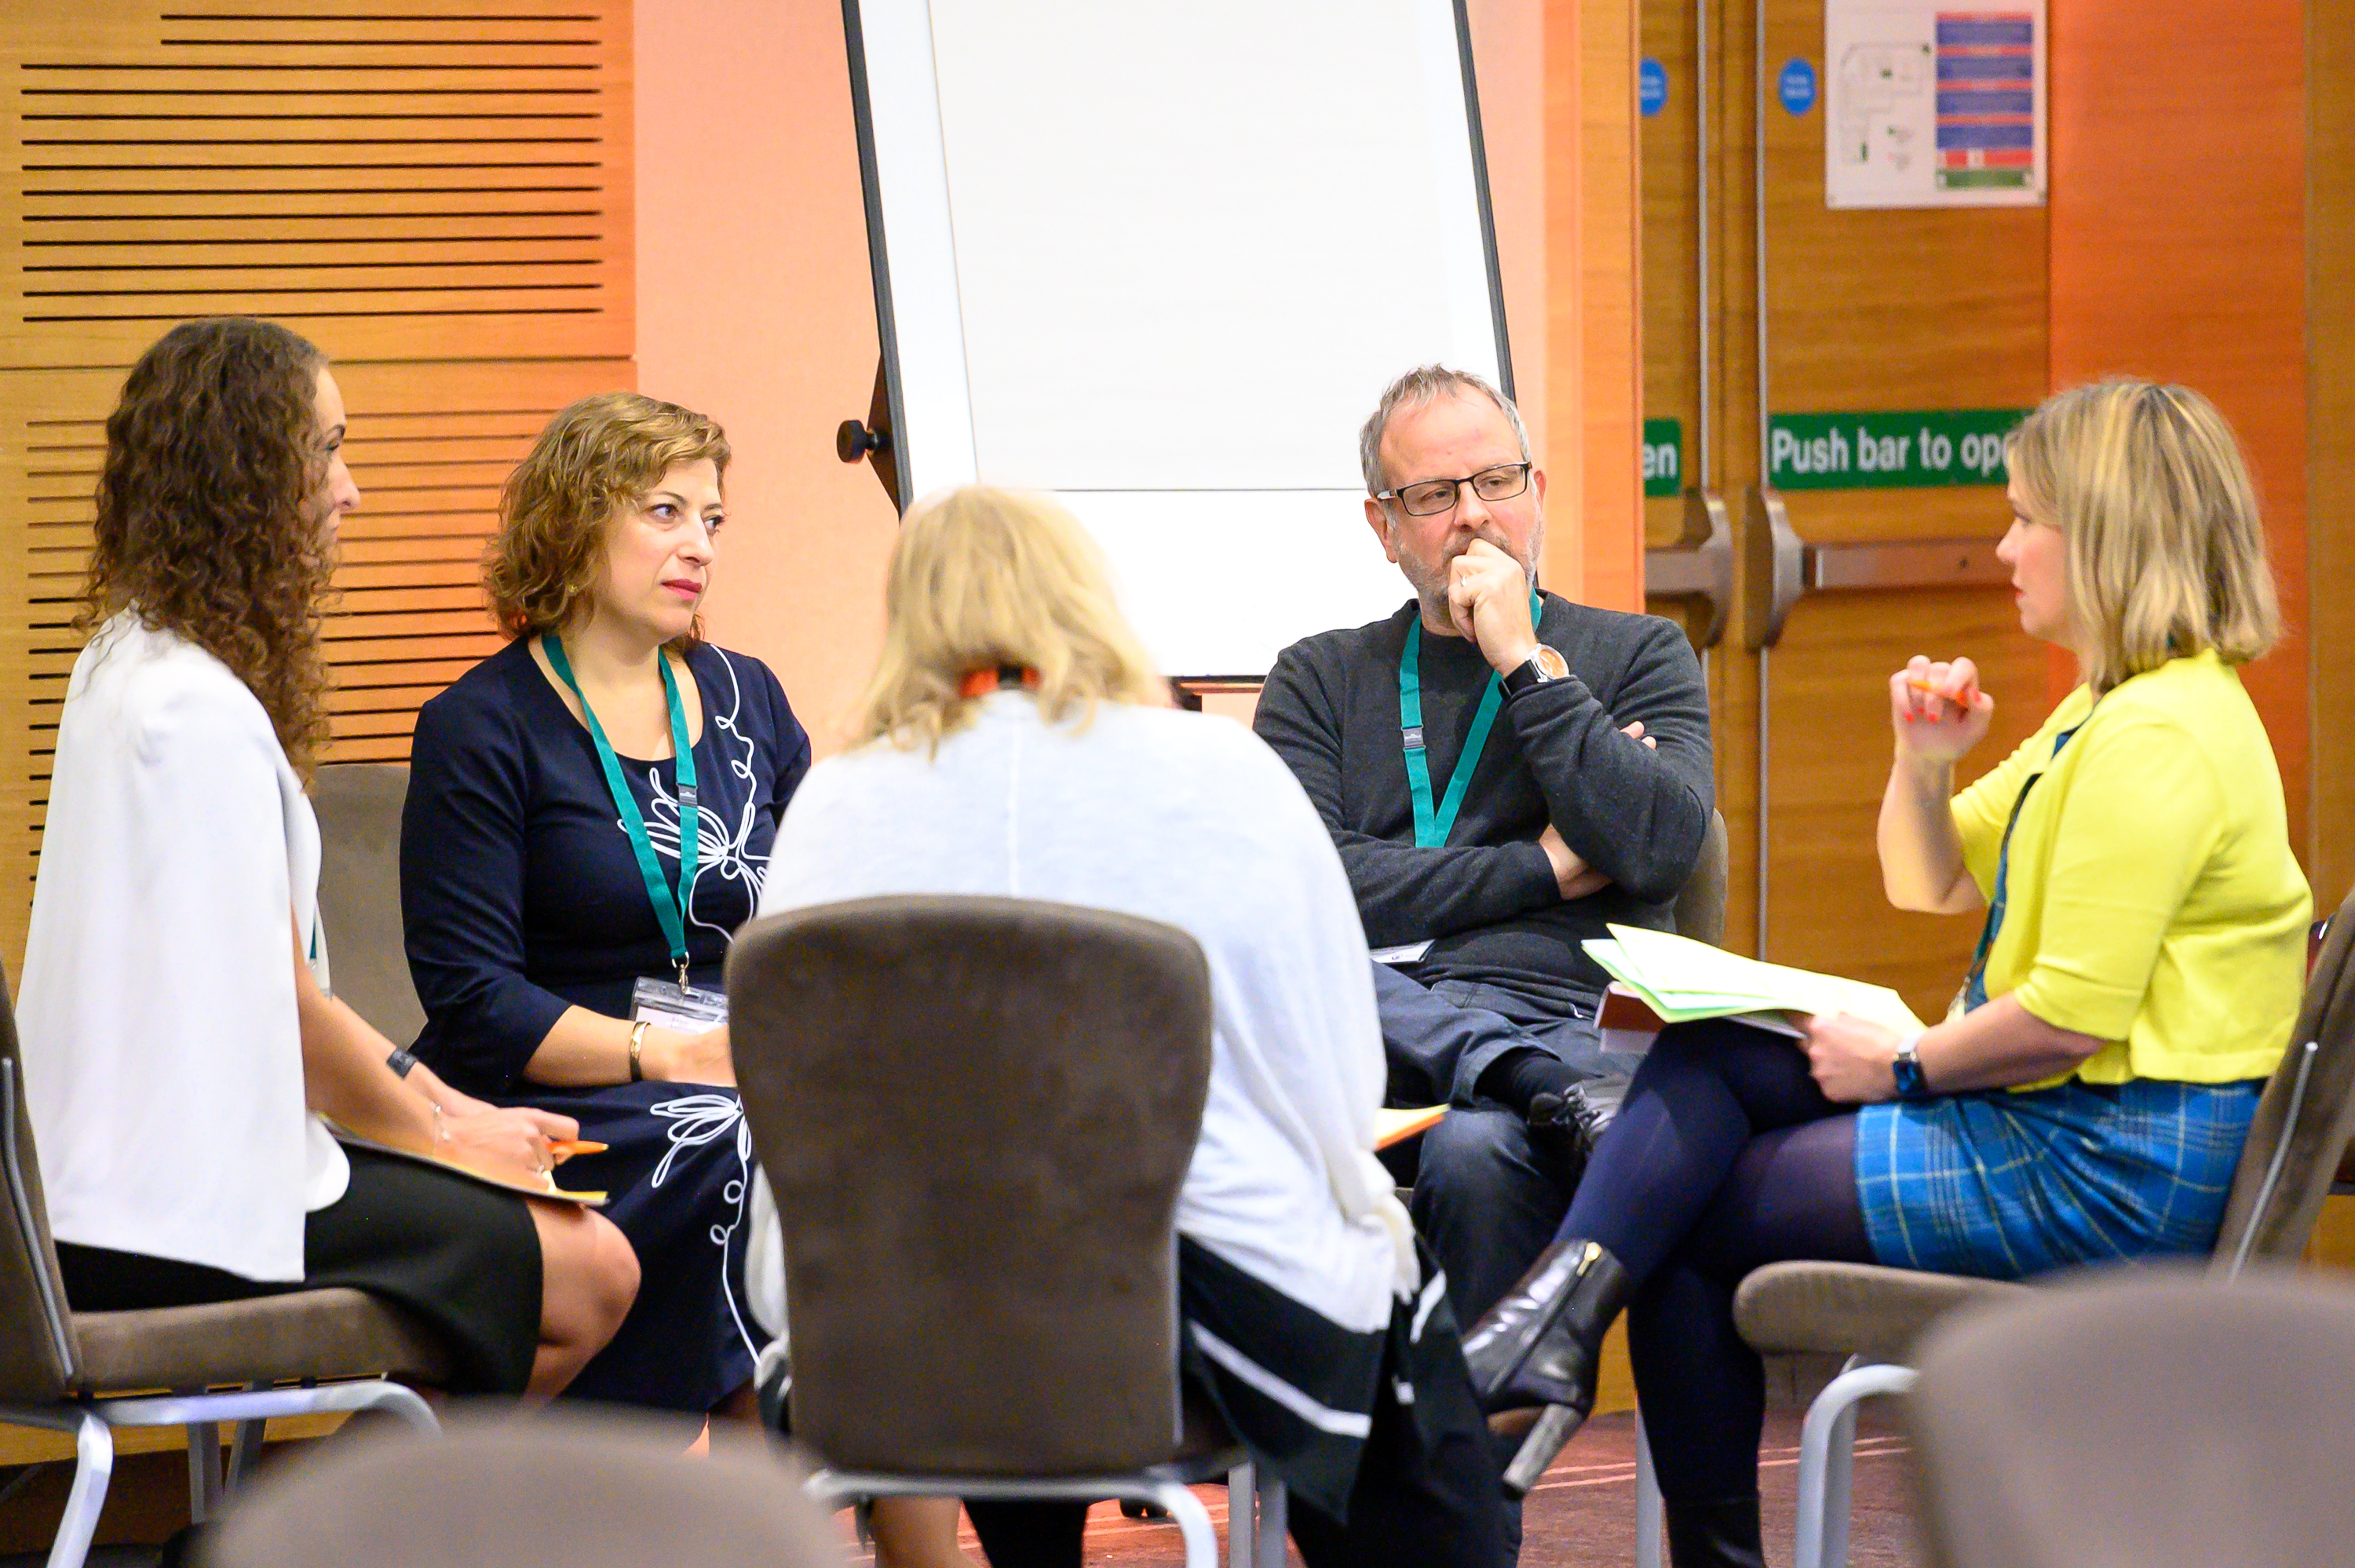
[(1798, 86), (1652, 88)]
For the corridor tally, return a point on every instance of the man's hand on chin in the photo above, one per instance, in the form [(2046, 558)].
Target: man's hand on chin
[(1489, 599)]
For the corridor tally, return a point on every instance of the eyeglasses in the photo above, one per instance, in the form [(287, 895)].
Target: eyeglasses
[(1434, 496)]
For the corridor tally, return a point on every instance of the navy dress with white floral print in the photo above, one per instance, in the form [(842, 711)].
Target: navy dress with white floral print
[(521, 898)]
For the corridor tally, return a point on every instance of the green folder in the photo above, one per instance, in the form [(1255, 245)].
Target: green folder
[(1681, 980)]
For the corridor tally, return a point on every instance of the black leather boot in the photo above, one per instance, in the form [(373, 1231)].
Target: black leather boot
[(1538, 1346), (1720, 1534)]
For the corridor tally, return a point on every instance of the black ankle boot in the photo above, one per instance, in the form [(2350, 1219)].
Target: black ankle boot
[(1720, 1534), (1539, 1344)]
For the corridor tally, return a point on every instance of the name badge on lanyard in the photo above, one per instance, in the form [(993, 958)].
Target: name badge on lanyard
[(671, 1003), (1432, 824)]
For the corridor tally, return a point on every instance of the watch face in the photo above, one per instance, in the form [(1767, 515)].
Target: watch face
[(1551, 664)]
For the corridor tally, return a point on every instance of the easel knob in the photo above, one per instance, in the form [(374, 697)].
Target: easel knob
[(852, 441)]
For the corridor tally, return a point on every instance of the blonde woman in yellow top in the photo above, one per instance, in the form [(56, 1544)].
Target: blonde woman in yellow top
[(2136, 979)]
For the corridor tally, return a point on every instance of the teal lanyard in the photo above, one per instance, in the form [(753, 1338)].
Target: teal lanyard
[(670, 909), (1431, 827)]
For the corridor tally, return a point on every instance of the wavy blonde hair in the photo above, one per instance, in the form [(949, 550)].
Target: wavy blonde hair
[(982, 577), (2166, 556), (594, 458)]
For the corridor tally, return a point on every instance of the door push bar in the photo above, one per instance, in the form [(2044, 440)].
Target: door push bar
[(1785, 567), (1698, 565)]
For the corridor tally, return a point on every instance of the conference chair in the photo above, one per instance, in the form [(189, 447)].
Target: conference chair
[(975, 1115), (2168, 1423), (88, 1372), (358, 806), (1873, 1315), (567, 1489)]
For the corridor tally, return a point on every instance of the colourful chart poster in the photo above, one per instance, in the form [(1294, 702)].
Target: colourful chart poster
[(1933, 103)]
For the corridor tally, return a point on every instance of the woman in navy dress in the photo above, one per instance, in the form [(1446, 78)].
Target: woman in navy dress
[(548, 835)]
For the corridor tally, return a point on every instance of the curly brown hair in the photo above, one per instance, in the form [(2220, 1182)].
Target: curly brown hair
[(205, 522), (594, 458)]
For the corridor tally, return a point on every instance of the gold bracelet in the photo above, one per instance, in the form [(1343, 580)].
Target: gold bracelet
[(637, 1045)]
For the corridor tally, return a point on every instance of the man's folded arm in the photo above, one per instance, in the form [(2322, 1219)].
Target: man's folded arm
[(1635, 813), (1405, 893)]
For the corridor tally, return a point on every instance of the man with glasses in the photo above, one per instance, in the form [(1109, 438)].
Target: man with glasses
[(1505, 773)]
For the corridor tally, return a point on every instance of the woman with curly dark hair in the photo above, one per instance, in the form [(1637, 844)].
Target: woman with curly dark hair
[(181, 1042), (589, 818)]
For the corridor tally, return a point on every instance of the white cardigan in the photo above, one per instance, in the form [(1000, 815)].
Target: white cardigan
[(163, 1057), (1191, 821)]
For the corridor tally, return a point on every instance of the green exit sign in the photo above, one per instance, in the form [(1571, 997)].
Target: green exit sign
[(1884, 450), (1663, 457)]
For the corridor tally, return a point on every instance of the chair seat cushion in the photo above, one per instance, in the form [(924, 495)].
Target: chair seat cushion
[(333, 1333), (1858, 1309)]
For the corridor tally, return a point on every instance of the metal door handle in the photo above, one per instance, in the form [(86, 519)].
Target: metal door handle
[(1700, 565), (1784, 567)]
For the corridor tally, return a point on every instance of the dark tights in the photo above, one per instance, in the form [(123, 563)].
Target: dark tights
[(1725, 1156)]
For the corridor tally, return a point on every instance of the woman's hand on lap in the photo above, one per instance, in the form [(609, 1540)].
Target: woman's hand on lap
[(1937, 709), (1850, 1058)]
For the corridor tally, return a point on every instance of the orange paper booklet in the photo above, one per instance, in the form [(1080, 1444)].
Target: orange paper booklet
[(545, 1187)]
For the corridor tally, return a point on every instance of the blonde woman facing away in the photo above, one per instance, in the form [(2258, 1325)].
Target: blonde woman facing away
[(2137, 975), (1012, 692), (181, 1040)]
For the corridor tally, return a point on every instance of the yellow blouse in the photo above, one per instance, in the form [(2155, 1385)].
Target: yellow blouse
[(2152, 899)]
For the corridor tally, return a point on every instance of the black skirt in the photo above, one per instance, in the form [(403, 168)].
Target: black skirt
[(461, 1257)]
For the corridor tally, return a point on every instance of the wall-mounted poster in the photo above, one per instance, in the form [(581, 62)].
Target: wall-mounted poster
[(1933, 103)]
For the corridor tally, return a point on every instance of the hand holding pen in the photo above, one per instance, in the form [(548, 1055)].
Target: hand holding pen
[(1937, 709)]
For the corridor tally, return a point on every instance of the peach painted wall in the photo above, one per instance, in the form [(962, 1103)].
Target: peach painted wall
[(2179, 202), (755, 306)]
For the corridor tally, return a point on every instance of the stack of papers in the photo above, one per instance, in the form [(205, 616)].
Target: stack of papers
[(1680, 980)]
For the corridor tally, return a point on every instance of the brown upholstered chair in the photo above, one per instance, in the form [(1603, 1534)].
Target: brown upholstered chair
[(69, 1371), (1700, 903), (975, 1115), (2164, 1422), (1874, 1315), (358, 806), (565, 1488)]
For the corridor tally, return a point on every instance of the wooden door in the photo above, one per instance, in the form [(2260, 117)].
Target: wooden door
[(1861, 310)]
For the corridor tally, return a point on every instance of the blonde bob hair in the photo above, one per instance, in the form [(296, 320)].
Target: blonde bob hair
[(984, 578), (2166, 555), (604, 453)]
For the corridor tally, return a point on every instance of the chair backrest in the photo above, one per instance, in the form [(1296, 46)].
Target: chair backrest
[(2303, 1120), (975, 1115), (358, 806), (38, 1354), (564, 1488), (1700, 903), (2166, 1423)]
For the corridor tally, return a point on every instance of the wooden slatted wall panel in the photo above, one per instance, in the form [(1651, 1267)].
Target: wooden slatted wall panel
[(436, 192)]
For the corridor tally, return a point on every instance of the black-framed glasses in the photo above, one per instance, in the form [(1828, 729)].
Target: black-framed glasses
[(1431, 497)]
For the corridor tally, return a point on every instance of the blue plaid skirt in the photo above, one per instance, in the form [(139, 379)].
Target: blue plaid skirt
[(2006, 1185)]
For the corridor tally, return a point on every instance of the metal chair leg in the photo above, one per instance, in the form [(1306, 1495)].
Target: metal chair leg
[(1647, 1502), (1193, 1523), (1272, 1506), (204, 1470), (1243, 1515), (1839, 1490), (244, 1451), (94, 1465), (1818, 1434)]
